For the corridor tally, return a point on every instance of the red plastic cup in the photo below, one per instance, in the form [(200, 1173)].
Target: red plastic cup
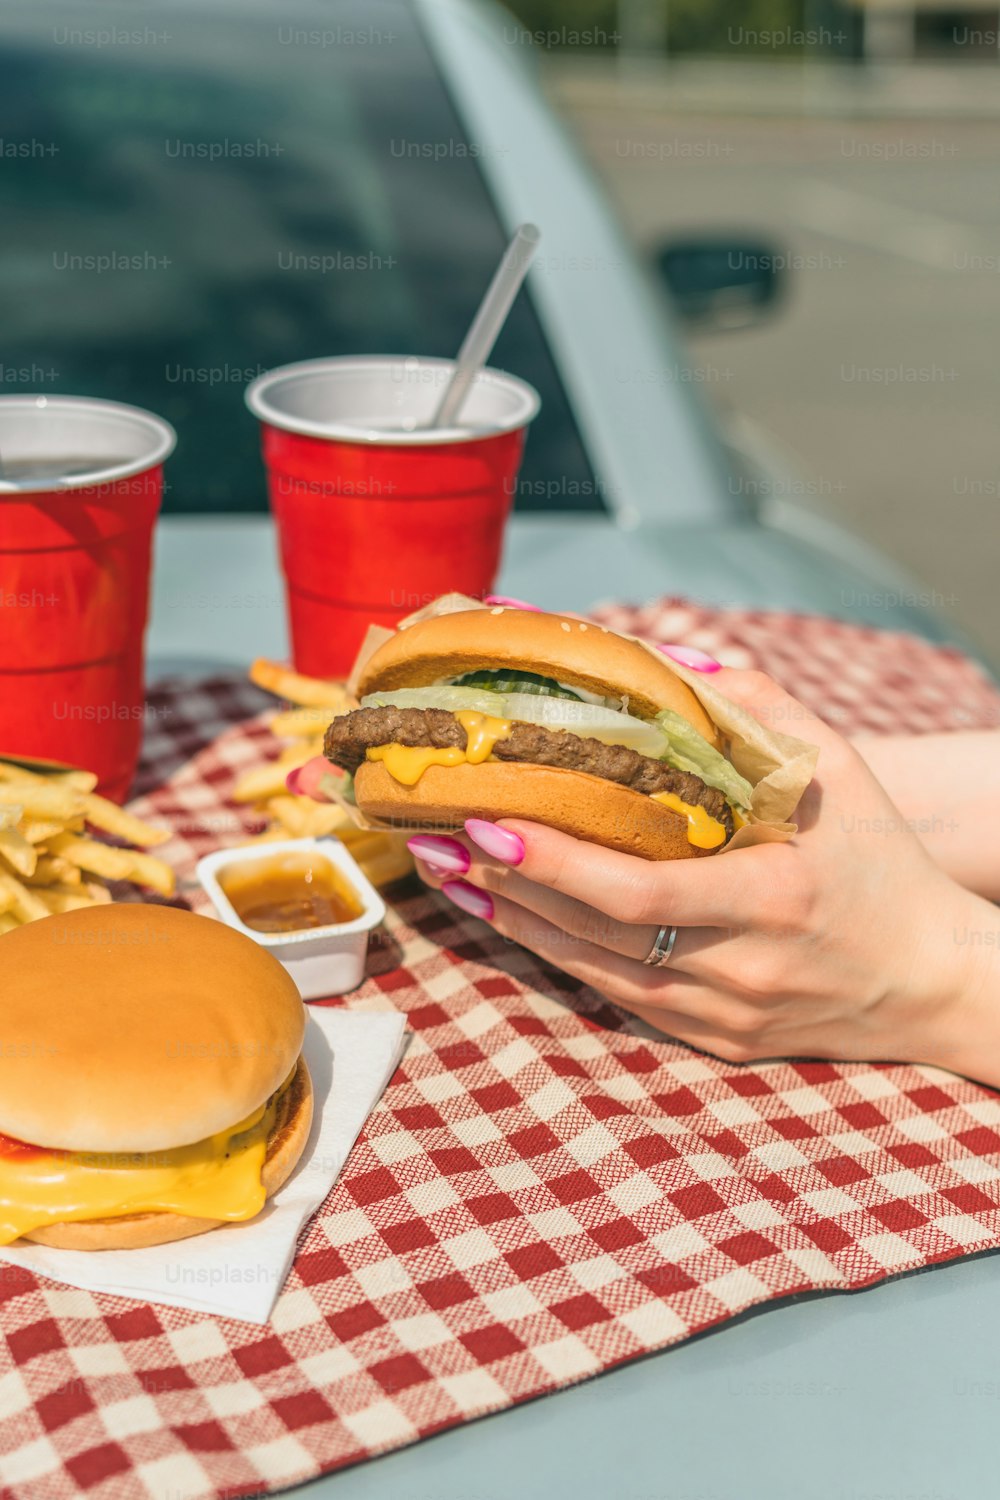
[(375, 515), (80, 488)]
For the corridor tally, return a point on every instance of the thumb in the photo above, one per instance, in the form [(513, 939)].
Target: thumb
[(767, 702)]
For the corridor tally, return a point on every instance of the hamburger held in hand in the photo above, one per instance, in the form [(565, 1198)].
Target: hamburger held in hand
[(504, 713), (151, 1079)]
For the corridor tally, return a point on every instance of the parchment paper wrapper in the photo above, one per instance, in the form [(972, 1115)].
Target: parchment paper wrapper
[(778, 766)]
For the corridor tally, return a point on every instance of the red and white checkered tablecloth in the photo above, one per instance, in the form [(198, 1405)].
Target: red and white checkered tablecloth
[(543, 1192)]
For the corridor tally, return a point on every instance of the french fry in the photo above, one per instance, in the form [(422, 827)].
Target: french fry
[(298, 754), (9, 772), (39, 830), (302, 818), (52, 869), (45, 852), (16, 850), (269, 836), (326, 818), (24, 903), (57, 899), (268, 781), (361, 841), (289, 814), (148, 870), (88, 854), (42, 799), (292, 686), (116, 864), (322, 818), (78, 781), (81, 781), (304, 723), (124, 825), (382, 856)]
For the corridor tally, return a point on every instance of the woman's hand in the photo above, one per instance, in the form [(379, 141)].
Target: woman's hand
[(847, 941)]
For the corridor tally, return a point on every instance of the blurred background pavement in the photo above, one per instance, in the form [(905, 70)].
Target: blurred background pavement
[(876, 380)]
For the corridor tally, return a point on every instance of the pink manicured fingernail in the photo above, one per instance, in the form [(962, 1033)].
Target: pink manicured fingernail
[(508, 603), (451, 857), (435, 869), (690, 656), (476, 902), (498, 842)]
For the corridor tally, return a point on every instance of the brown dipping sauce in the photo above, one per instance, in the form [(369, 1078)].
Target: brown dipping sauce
[(289, 893)]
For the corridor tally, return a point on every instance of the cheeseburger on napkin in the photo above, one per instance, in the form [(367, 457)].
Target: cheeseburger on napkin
[(152, 1083)]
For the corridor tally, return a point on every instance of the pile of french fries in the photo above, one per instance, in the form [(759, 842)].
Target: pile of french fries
[(383, 857), (48, 863)]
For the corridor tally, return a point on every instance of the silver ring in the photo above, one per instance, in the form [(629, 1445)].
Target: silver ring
[(660, 952)]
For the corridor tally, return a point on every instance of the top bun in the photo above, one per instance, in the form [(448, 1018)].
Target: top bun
[(139, 1028), (576, 652)]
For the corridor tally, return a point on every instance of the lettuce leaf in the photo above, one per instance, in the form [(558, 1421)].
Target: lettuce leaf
[(690, 751), (339, 788)]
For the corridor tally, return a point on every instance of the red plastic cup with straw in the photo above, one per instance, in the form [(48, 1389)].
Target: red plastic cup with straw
[(391, 478), (80, 488)]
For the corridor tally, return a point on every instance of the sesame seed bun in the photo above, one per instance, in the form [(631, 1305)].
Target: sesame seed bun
[(575, 652)]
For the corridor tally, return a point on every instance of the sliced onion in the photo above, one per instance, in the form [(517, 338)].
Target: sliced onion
[(453, 699), (602, 700), (587, 720)]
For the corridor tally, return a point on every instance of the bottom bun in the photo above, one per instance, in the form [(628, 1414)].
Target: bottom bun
[(573, 801), (285, 1145)]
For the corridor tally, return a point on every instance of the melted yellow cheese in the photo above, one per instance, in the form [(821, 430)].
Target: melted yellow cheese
[(407, 763), (481, 733), (217, 1178), (704, 831)]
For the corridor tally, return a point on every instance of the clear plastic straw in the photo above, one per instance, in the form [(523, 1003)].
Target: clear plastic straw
[(486, 325)]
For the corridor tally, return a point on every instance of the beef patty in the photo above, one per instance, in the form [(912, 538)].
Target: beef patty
[(351, 734)]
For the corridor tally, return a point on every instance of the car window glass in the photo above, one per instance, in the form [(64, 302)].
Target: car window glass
[(236, 188)]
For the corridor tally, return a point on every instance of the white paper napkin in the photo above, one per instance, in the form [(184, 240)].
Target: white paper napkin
[(237, 1271)]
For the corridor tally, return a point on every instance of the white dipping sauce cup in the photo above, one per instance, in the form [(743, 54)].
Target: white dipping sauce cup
[(322, 960)]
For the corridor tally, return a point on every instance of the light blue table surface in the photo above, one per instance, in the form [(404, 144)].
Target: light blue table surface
[(887, 1394)]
